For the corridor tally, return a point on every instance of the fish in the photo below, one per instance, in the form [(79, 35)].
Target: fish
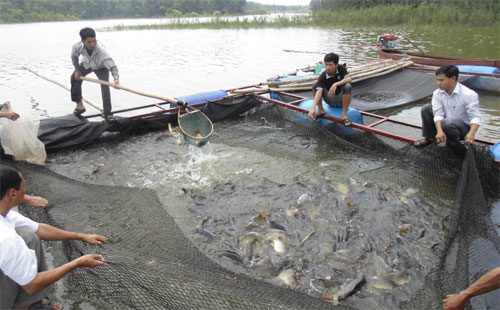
[(248, 242), (379, 285), (287, 277), (342, 188), (278, 241), (231, 255), (206, 234), (275, 225), (348, 288), (306, 238), (397, 277), (303, 199)]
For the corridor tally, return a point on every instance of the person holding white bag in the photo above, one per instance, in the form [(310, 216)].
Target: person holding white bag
[(18, 136)]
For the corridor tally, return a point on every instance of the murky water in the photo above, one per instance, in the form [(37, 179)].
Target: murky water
[(181, 62), (259, 198)]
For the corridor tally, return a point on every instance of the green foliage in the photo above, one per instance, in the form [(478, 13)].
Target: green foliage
[(429, 12), (45, 10)]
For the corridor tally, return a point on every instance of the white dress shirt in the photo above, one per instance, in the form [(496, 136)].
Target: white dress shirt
[(463, 103), (17, 261)]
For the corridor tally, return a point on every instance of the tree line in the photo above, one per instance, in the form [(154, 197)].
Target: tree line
[(46, 10), (322, 5)]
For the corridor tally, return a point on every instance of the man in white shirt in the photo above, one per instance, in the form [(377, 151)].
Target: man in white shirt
[(24, 278), (453, 115), (94, 59)]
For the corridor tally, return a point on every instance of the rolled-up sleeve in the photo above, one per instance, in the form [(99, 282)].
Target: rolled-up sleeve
[(437, 107), (75, 55), (472, 109)]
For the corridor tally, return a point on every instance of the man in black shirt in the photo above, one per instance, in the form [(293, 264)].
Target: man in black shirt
[(334, 87)]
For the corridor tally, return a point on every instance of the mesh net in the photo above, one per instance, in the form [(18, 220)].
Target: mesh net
[(151, 264)]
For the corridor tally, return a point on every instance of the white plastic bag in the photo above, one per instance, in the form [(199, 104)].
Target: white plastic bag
[(19, 139)]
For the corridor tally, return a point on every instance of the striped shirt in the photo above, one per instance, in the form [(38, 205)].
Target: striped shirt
[(463, 104), (97, 60)]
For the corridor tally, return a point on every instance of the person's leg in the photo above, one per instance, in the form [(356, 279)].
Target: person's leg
[(21, 299), (428, 126), (76, 88), (103, 74), (346, 98), (455, 130)]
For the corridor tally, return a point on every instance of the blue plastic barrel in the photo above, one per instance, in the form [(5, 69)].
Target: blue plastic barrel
[(354, 116), (495, 151), (478, 69), (214, 95)]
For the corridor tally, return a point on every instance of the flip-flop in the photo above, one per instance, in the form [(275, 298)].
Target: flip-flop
[(79, 111), (346, 122), (422, 142)]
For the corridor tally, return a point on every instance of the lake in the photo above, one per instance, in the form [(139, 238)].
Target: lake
[(343, 211)]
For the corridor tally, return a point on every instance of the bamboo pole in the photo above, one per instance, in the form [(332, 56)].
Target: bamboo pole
[(138, 92), (63, 86)]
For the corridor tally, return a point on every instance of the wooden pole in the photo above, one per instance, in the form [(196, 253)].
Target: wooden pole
[(63, 86), (137, 92)]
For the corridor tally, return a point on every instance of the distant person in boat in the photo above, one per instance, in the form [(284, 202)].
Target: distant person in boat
[(487, 283), (24, 278), (94, 59), (453, 115), (334, 87)]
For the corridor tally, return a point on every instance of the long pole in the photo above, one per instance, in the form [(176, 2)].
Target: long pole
[(63, 86)]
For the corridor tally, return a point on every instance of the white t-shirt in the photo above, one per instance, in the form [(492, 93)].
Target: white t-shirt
[(17, 261)]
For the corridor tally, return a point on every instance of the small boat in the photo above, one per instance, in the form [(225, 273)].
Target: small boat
[(435, 60)]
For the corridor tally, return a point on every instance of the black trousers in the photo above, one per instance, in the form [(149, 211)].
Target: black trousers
[(454, 129), (76, 87)]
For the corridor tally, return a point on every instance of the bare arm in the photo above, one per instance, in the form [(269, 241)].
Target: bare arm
[(46, 278), (471, 135), (488, 282), (35, 201), (47, 232), (318, 97)]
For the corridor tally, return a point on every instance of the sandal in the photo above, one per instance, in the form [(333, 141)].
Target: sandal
[(79, 111), (46, 304), (346, 122), (422, 142)]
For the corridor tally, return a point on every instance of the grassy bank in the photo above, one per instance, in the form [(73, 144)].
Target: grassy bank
[(390, 15), (396, 15), (223, 23)]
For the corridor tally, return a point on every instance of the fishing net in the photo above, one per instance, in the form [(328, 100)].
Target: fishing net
[(152, 264)]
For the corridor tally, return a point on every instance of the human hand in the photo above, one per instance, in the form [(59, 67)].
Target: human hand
[(117, 83), (90, 260), (332, 90), (455, 301), (78, 75), (440, 136), (93, 239), (36, 201), (312, 113), (470, 137), (10, 115)]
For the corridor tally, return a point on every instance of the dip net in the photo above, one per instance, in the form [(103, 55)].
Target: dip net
[(152, 264)]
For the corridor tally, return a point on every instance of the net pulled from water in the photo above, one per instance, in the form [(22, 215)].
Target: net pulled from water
[(153, 265)]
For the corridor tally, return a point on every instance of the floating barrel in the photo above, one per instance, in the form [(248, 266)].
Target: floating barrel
[(495, 151), (478, 69), (354, 116), (214, 95)]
